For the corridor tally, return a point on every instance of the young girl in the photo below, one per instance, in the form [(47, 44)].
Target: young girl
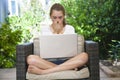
[(38, 65)]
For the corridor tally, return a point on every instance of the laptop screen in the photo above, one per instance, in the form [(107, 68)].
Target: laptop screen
[(58, 45)]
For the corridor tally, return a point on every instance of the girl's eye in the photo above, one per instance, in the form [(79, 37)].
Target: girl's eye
[(60, 17), (55, 17)]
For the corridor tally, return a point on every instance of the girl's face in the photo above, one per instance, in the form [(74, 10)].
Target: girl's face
[(57, 17)]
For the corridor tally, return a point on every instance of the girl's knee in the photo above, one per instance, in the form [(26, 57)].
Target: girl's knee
[(84, 56), (32, 59)]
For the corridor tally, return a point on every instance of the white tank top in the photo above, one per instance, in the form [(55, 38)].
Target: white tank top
[(45, 30)]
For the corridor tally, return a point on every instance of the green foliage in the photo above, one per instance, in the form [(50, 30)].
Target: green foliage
[(78, 16), (18, 29), (29, 21), (98, 20), (9, 38), (24, 24), (114, 51)]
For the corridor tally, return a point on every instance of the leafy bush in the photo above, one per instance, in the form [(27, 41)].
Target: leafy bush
[(18, 29), (114, 51), (79, 15), (98, 20), (24, 24), (9, 38), (29, 20)]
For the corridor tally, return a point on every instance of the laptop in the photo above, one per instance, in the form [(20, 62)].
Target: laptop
[(58, 45)]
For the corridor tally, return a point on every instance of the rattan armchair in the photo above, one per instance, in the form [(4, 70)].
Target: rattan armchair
[(23, 50)]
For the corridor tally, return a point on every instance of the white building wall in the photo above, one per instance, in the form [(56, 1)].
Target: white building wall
[(3, 10), (14, 7)]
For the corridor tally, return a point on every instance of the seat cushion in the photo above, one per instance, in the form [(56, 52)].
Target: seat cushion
[(69, 74)]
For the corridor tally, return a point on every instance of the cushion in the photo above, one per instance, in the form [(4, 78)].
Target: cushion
[(37, 46), (80, 43), (69, 74)]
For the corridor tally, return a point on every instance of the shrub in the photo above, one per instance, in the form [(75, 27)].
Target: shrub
[(9, 38), (98, 20), (114, 51)]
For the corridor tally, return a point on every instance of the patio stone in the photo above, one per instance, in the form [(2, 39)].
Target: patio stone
[(10, 74)]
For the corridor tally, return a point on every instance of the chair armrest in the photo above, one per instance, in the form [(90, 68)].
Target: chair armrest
[(91, 48), (22, 51)]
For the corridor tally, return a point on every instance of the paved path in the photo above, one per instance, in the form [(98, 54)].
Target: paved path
[(10, 74), (103, 76)]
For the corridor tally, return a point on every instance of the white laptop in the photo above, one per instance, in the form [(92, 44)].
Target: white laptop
[(58, 45)]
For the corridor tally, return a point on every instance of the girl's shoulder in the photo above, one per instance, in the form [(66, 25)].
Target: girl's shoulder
[(45, 26), (45, 30), (70, 27)]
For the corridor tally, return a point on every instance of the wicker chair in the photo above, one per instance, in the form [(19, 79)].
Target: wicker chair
[(91, 47)]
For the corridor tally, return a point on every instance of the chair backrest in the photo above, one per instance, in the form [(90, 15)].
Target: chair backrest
[(79, 38)]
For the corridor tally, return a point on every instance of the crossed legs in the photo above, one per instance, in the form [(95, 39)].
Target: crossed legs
[(38, 65)]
